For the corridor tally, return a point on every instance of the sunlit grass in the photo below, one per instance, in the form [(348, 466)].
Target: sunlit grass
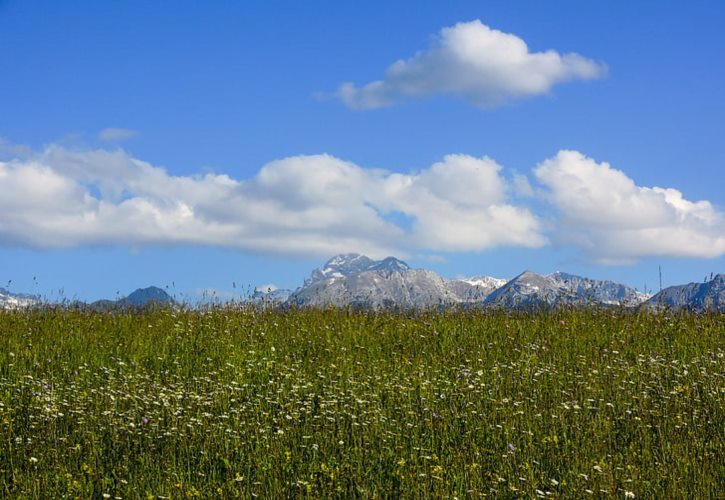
[(352, 404)]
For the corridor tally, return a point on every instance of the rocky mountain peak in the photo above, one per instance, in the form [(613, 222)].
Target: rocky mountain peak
[(353, 263)]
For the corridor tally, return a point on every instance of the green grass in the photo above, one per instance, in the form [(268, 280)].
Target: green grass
[(229, 403)]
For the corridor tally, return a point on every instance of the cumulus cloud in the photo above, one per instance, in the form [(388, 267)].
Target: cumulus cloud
[(615, 221), (460, 205), (116, 134), (306, 205), (482, 65)]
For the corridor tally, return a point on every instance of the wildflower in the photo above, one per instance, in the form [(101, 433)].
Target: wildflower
[(33, 460), (628, 494), (512, 448)]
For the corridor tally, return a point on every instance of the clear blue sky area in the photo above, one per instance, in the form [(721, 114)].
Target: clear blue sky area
[(227, 87)]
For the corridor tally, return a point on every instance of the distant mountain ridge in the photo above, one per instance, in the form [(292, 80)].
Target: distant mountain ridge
[(270, 297), (529, 289), (358, 281), (139, 298), (9, 300), (709, 295)]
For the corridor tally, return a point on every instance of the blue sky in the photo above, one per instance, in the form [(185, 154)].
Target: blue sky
[(210, 144)]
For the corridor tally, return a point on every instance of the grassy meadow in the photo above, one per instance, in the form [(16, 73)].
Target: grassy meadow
[(243, 402)]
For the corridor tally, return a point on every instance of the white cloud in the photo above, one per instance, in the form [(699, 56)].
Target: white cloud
[(460, 204), (320, 205), (116, 134), (484, 66), (305, 205), (604, 212)]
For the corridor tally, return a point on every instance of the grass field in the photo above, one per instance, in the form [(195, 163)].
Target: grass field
[(238, 403)]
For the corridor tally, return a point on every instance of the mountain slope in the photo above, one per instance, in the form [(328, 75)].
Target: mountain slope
[(142, 297), (415, 288), (561, 289), (605, 292), (139, 298), (696, 296)]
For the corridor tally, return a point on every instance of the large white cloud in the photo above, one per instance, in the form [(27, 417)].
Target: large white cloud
[(304, 205), (485, 66), (460, 205), (604, 212)]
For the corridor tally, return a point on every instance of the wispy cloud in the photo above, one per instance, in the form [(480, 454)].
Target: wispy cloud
[(484, 66), (11, 150), (116, 134), (613, 220)]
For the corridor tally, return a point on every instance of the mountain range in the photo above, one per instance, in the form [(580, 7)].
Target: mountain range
[(358, 281), (140, 298), (10, 300)]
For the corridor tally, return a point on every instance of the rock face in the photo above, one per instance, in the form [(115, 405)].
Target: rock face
[(358, 281), (474, 290), (531, 290), (353, 263), (604, 292), (9, 300), (707, 296)]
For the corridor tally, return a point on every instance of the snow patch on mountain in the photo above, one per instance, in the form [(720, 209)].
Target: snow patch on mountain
[(9, 300)]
